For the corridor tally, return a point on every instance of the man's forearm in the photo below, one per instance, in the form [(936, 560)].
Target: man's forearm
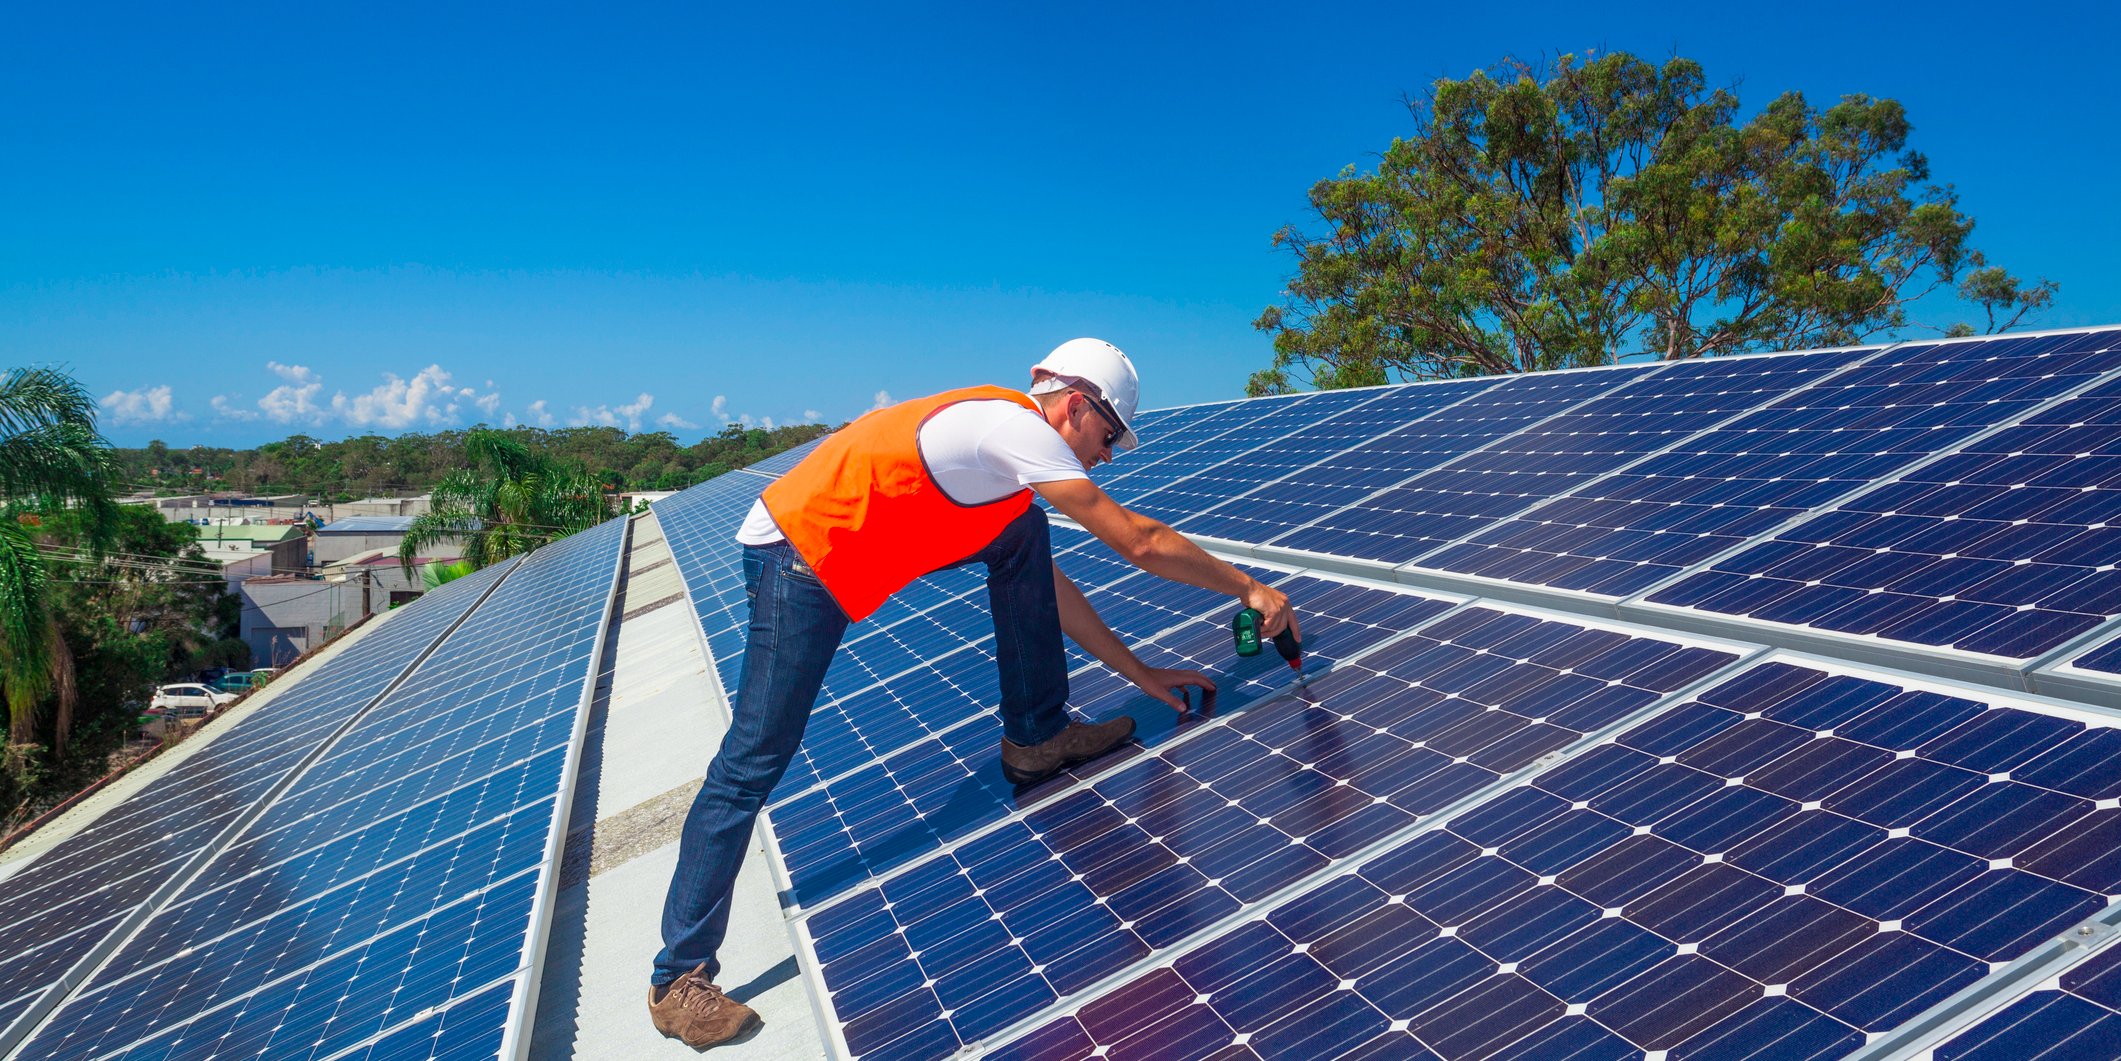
[(1168, 554)]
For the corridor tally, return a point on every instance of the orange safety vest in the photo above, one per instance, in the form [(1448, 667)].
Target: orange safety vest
[(866, 515)]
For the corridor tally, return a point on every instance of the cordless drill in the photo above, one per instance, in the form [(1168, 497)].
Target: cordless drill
[(1246, 629)]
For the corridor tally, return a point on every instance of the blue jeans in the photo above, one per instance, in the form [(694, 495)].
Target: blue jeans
[(795, 628)]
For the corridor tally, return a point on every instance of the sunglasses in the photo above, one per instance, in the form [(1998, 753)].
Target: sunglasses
[(1104, 409)]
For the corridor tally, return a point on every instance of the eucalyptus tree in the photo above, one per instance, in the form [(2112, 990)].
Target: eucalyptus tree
[(1558, 216)]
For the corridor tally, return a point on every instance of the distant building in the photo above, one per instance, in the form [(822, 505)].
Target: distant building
[(239, 564), (207, 508), (377, 577), (343, 539), (286, 543), (287, 615), (382, 506)]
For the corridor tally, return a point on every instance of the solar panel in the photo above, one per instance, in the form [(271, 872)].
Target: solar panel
[(1641, 524), (1049, 902), (1204, 494), (938, 908), (1650, 412), (1327, 506), (2078, 1015), (1180, 435), (909, 802), (58, 914), (405, 871), (1493, 501), (1275, 418), (1785, 866), (2001, 547)]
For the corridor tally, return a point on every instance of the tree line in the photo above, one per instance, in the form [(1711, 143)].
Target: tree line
[(412, 463)]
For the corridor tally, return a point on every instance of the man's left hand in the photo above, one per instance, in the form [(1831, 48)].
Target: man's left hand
[(1161, 683)]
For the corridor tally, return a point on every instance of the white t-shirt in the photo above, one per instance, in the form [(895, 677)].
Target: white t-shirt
[(978, 451)]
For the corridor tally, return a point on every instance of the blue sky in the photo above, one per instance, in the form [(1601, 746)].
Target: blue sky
[(239, 222)]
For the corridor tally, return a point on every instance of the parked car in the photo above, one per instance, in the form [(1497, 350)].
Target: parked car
[(234, 681), (187, 701)]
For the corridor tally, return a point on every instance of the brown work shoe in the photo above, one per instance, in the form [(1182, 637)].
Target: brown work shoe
[(697, 1013), (1027, 765)]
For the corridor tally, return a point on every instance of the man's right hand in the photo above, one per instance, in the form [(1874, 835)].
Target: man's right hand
[(1273, 608)]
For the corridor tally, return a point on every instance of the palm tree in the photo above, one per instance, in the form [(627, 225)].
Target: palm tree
[(508, 503), (51, 456)]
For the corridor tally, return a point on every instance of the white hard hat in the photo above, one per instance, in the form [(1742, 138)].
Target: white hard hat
[(1106, 369)]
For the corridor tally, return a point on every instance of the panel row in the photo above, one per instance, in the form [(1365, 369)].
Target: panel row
[(397, 875), (72, 899)]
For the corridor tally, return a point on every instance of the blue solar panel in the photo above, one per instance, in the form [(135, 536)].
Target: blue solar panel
[(1205, 499), (470, 1028), (1333, 507), (905, 804), (399, 873), (1497, 498), (1277, 418), (1650, 412), (1178, 435), (59, 910), (1653, 519), (959, 947), (1779, 868), (2078, 1017), (2104, 659), (2002, 547)]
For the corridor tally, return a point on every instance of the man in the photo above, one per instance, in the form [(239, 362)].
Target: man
[(901, 492)]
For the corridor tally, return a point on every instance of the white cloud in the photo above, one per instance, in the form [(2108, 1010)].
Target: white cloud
[(508, 419), (883, 400), (488, 402), (148, 405), (426, 398), (539, 415), (673, 420), (720, 409), (628, 415), (811, 416), (297, 398), (229, 410)]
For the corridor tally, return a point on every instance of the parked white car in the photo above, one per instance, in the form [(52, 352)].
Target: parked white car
[(189, 700)]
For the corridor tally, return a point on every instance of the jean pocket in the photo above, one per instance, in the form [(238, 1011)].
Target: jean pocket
[(800, 571)]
